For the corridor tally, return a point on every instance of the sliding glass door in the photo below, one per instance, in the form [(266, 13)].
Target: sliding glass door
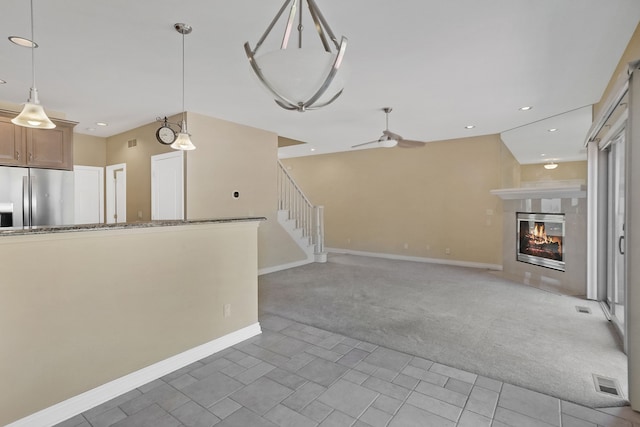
[(616, 281)]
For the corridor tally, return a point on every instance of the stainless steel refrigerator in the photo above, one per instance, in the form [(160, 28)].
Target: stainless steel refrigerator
[(32, 197)]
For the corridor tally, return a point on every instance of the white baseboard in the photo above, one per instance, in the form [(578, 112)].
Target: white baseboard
[(497, 267), (281, 267), (87, 400)]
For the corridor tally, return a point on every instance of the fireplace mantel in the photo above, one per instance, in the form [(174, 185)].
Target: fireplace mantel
[(574, 191)]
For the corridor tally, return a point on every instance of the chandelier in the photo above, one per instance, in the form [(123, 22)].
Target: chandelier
[(300, 79)]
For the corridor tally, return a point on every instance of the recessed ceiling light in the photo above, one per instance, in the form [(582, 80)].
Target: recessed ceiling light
[(102, 124), (552, 130), (313, 149), (2, 82), (542, 155), (469, 127), (21, 41), (526, 108), (91, 129)]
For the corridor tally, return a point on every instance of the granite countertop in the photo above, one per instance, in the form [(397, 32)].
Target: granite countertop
[(121, 226)]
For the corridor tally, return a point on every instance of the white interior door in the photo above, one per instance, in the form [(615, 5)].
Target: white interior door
[(89, 194), (116, 193), (167, 186)]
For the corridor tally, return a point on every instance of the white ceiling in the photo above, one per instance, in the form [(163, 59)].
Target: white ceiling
[(557, 138), (440, 64)]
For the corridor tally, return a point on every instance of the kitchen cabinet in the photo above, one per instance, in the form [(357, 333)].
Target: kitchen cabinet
[(50, 148), (11, 143), (41, 148)]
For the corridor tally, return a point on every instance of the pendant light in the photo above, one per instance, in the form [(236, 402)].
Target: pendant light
[(33, 115), (300, 79), (183, 141)]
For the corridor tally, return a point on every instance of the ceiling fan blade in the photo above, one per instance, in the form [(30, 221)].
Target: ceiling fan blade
[(365, 143), (407, 143)]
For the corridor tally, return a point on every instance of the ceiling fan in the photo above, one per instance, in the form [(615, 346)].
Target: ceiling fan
[(390, 139)]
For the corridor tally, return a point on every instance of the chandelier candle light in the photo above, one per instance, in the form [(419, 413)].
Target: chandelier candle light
[(183, 141), (300, 79), (32, 114)]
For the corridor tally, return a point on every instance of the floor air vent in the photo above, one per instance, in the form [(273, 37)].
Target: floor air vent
[(607, 385), (585, 310)]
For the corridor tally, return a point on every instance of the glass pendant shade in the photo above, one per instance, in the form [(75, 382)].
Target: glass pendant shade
[(33, 115), (183, 142), (297, 74), (300, 79)]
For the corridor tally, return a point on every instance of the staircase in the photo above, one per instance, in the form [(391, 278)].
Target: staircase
[(302, 220)]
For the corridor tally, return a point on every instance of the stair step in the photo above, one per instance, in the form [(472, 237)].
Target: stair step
[(297, 233)]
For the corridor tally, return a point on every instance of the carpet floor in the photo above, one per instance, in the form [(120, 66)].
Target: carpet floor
[(466, 318)]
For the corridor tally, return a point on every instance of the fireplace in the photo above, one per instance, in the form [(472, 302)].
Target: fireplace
[(541, 239)]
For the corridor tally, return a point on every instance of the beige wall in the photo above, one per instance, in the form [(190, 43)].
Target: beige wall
[(510, 168), (76, 322), (429, 198), (228, 157), (89, 150), (231, 157), (564, 172)]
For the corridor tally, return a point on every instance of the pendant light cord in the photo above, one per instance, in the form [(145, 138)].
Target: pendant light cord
[(300, 27), (33, 49), (183, 114)]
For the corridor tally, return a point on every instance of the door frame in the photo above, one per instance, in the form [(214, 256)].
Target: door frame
[(632, 240), (110, 193)]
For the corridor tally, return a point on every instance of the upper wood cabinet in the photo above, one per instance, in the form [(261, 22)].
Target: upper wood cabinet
[(41, 148), (11, 143), (50, 148)]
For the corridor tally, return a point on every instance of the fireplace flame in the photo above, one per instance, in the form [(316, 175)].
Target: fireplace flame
[(539, 241), (539, 235), (538, 231)]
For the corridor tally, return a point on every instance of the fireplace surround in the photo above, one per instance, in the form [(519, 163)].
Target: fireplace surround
[(566, 198), (541, 239)]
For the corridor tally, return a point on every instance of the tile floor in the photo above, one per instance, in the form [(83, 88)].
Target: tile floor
[(294, 375)]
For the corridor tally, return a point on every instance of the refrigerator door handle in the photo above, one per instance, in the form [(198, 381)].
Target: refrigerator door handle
[(33, 201), (26, 202)]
